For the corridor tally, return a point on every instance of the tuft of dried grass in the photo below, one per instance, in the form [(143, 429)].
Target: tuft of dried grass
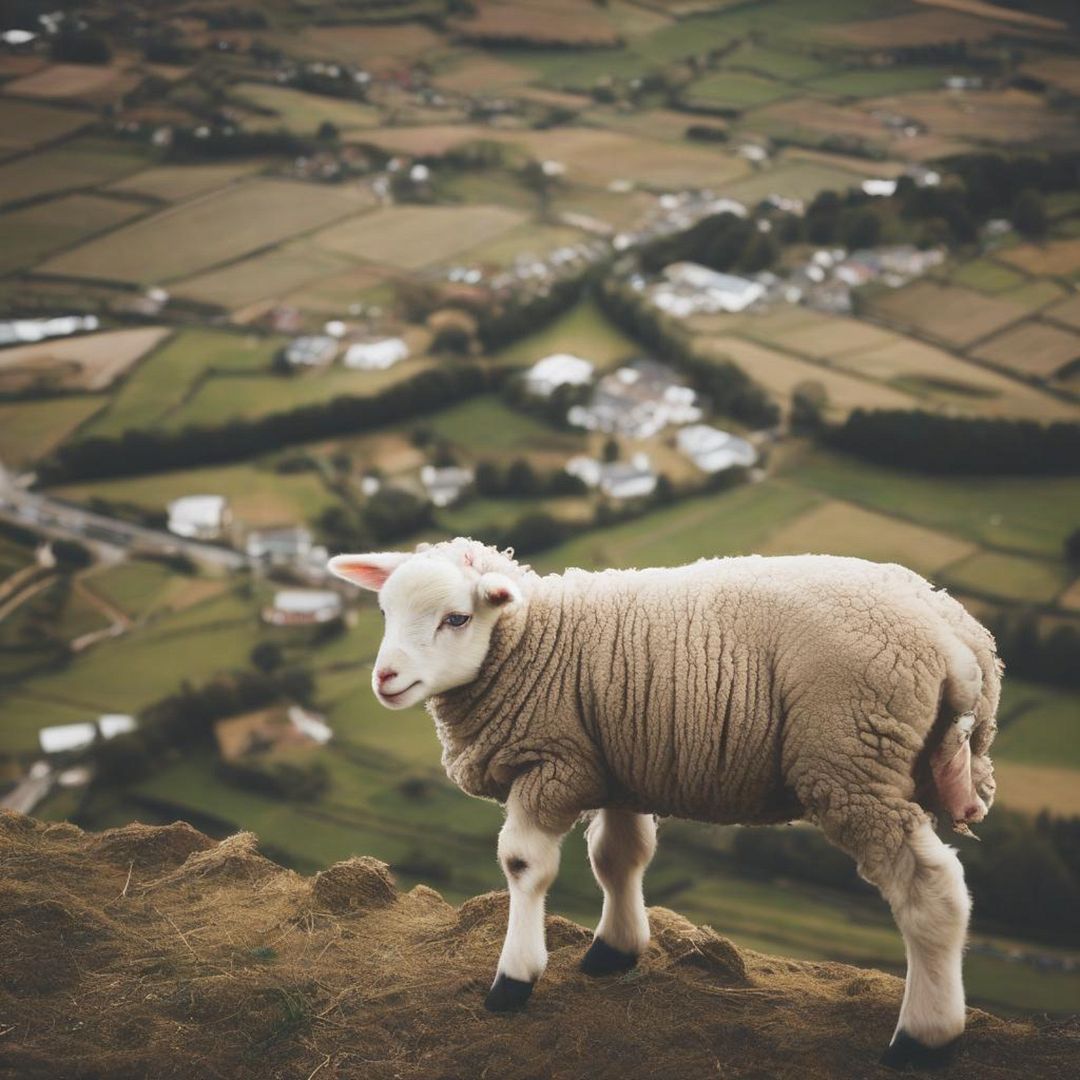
[(159, 954)]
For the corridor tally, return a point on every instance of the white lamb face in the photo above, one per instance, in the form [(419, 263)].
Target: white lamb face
[(439, 617)]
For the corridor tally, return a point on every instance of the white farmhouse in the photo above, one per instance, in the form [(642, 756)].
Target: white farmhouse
[(112, 724), (376, 355), (314, 350), (559, 369), (445, 485), (632, 479), (713, 450), (199, 517), (67, 737), (310, 724), (302, 607)]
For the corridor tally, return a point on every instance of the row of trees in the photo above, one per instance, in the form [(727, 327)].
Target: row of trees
[(933, 443), (1025, 875), (1050, 657), (138, 452)]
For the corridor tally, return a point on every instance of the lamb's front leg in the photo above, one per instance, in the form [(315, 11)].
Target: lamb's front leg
[(529, 855)]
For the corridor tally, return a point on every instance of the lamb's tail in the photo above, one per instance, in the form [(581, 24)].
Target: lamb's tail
[(961, 765)]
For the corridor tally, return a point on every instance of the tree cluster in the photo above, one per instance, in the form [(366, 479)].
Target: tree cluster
[(1051, 657)]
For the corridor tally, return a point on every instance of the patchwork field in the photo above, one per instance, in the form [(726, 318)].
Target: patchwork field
[(167, 378), (735, 90), (557, 22), (214, 229), (174, 183), (871, 82), (582, 330), (82, 82), (377, 48), (414, 236), (1067, 311), (986, 275), (257, 496), (80, 163), (780, 374), (301, 112), (1011, 577), (1032, 348), (524, 242), (35, 231), (489, 429), (919, 28), (142, 588), (336, 293), (263, 276), (30, 429), (24, 124), (795, 179), (1055, 257), (89, 362)]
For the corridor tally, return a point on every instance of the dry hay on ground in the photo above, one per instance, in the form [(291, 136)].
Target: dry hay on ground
[(205, 232), (31, 429), (952, 313), (24, 124), (1000, 116), (919, 28), (91, 362), (172, 183), (376, 48), (181, 957), (839, 528), (815, 333), (476, 72), (1067, 311), (997, 12), (537, 23), (261, 277), (1032, 348), (1056, 257), (410, 237), (80, 81), (780, 374), (431, 139), (806, 114)]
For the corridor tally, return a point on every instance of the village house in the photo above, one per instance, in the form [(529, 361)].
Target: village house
[(559, 369), (199, 517), (312, 350), (376, 355), (289, 545), (713, 450), (445, 485), (633, 479), (638, 400), (303, 607), (270, 732), (690, 288)]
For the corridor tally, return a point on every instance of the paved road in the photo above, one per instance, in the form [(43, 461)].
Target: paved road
[(56, 518)]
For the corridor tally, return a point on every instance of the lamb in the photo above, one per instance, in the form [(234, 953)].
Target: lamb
[(740, 690)]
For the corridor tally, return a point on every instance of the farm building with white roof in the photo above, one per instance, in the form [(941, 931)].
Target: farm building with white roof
[(713, 450), (559, 369), (376, 355), (302, 607), (65, 738), (689, 288), (199, 517)]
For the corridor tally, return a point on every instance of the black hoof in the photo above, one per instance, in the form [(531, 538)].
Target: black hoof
[(906, 1053), (507, 995), (603, 959)]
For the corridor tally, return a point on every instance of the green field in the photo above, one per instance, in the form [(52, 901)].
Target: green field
[(1039, 725), (164, 380), (1025, 514), (83, 162), (485, 425), (301, 112), (1011, 577), (735, 90), (986, 275), (869, 83), (794, 179), (30, 429)]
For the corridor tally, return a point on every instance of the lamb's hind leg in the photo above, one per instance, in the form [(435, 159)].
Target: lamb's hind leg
[(621, 846), (923, 882), (529, 855)]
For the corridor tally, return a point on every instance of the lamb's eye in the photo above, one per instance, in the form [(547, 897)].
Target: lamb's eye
[(456, 618)]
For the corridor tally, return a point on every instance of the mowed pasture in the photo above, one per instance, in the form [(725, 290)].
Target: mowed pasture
[(83, 162), (163, 382), (735, 90), (204, 232), (34, 232), (222, 398), (796, 179), (1056, 258), (301, 112), (1032, 348), (841, 528), (30, 429), (780, 374), (174, 183), (950, 313), (411, 237), (335, 293), (86, 362), (257, 496), (262, 276), (25, 124), (1011, 577)]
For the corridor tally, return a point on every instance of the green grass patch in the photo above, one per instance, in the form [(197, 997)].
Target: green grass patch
[(1040, 725), (301, 112), (735, 90), (1031, 515), (867, 83), (81, 163), (164, 379), (1010, 577), (986, 275), (30, 429), (796, 180), (776, 63), (485, 426), (736, 522), (1035, 294), (583, 331)]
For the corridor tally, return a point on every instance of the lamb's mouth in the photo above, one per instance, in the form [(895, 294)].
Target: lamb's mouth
[(383, 696)]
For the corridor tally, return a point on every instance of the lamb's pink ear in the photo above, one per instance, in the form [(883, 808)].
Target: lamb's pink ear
[(497, 590), (368, 571)]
